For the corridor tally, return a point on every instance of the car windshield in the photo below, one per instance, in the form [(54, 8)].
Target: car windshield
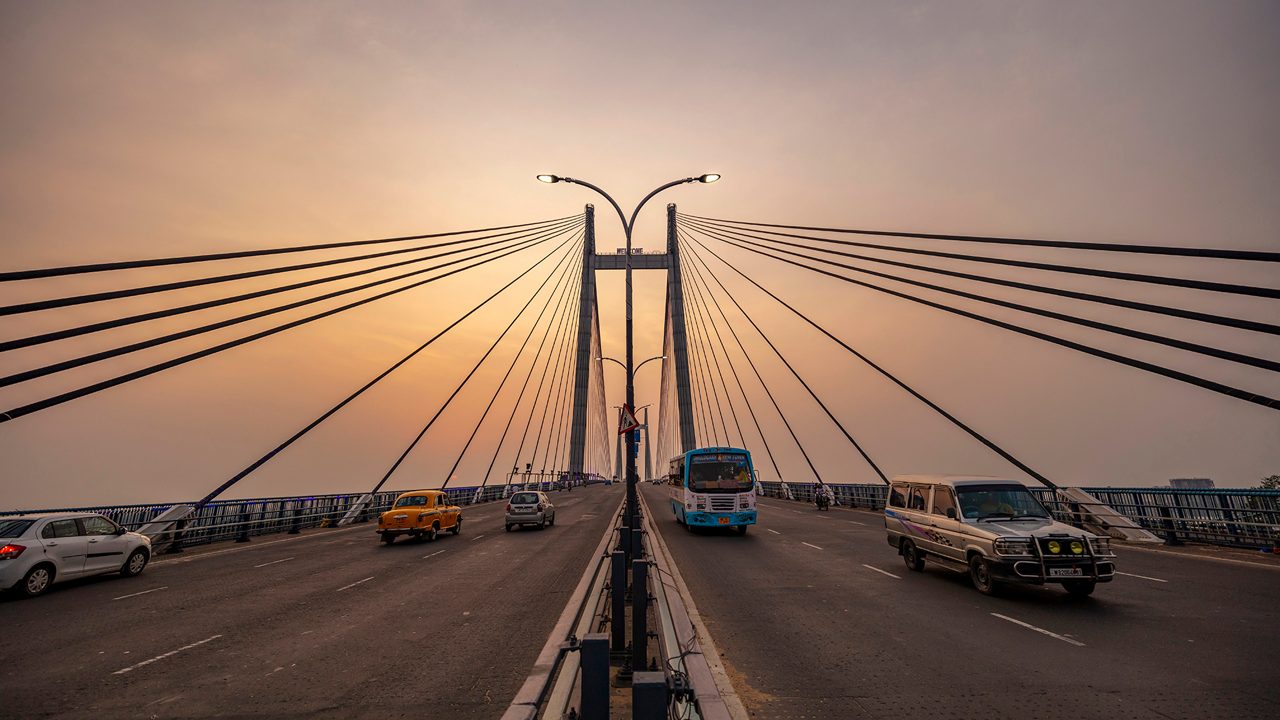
[(719, 472), (979, 502), (412, 501), (14, 528), (524, 499)]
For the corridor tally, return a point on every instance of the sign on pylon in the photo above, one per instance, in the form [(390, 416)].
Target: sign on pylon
[(627, 420)]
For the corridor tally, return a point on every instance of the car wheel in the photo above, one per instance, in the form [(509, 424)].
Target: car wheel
[(980, 573), (912, 556), (509, 526), (542, 524), (457, 526), (36, 581), (1080, 588), (434, 532), (136, 562), (552, 521)]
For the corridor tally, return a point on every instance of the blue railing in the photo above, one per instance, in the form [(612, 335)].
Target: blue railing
[(1239, 518)]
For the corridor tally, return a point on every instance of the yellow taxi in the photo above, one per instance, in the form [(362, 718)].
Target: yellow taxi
[(420, 514)]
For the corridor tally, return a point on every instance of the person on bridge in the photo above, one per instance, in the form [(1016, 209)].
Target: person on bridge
[(822, 495)]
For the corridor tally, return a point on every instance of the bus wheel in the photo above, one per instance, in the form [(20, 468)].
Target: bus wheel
[(742, 529)]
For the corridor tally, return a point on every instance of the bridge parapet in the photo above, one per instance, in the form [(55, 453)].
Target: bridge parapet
[(223, 520), (1234, 518)]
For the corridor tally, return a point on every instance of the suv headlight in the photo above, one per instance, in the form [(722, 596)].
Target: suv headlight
[(1101, 545), (1013, 546)]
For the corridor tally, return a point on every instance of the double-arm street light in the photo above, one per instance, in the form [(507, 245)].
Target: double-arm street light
[(627, 226)]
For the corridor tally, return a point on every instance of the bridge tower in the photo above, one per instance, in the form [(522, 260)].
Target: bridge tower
[(588, 339)]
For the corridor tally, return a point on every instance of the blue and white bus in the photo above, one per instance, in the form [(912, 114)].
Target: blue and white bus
[(713, 487)]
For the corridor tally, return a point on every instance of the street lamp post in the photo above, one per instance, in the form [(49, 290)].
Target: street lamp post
[(627, 226)]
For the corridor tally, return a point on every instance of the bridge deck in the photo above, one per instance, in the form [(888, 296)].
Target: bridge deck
[(443, 629), (819, 630)]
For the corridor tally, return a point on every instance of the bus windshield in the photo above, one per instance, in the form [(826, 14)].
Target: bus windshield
[(720, 472)]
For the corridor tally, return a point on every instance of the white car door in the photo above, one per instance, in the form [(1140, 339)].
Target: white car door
[(106, 550), (65, 545)]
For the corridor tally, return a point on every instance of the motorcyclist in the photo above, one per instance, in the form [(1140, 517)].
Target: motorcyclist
[(821, 495)]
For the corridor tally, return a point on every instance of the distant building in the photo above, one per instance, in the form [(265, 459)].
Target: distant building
[(1191, 483)]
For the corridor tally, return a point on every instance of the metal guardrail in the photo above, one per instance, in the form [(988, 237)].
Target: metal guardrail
[(1236, 518), (241, 519)]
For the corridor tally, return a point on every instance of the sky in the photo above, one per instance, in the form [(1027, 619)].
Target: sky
[(139, 129)]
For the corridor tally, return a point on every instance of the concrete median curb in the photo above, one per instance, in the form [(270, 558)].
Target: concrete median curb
[(701, 658)]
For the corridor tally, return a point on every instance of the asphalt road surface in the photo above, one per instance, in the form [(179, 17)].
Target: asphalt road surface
[(327, 624), (815, 616)]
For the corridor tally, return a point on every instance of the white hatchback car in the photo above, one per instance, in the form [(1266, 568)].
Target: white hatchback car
[(37, 551)]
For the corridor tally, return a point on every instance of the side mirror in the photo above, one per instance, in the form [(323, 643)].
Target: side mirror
[(951, 513)]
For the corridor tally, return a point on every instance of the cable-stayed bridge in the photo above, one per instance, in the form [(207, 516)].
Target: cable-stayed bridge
[(812, 613)]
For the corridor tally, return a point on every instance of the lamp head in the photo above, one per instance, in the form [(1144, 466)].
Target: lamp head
[(555, 178), (709, 178)]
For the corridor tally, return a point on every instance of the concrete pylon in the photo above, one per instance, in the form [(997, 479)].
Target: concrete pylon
[(679, 339)]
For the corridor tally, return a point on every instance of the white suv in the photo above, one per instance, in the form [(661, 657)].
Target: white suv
[(37, 551)]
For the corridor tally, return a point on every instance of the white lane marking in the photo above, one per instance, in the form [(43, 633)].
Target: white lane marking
[(1211, 558), (775, 532), (346, 587), (855, 522), (477, 537), (144, 592), (161, 657), (424, 557), (1042, 631), (815, 547), (477, 519), (1144, 577), (882, 572), (273, 562), (796, 512)]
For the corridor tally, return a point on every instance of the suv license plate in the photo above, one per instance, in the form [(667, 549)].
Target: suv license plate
[(724, 521), (1066, 572)]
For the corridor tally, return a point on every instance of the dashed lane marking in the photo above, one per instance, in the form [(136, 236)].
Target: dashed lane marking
[(882, 572), (775, 532), (273, 562), (477, 537), (157, 658), (424, 557), (1144, 577), (815, 547), (144, 592), (348, 587), (1040, 630)]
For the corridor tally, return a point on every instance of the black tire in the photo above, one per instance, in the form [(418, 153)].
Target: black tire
[(509, 527), (542, 524), (1080, 588), (742, 529), (388, 538), (457, 526), (136, 562), (912, 556), (552, 521), (434, 532), (37, 580), (980, 574)]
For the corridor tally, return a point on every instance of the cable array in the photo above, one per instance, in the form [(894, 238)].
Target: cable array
[(824, 256)]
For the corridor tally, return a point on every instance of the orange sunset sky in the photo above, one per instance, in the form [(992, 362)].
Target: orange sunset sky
[(142, 129)]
